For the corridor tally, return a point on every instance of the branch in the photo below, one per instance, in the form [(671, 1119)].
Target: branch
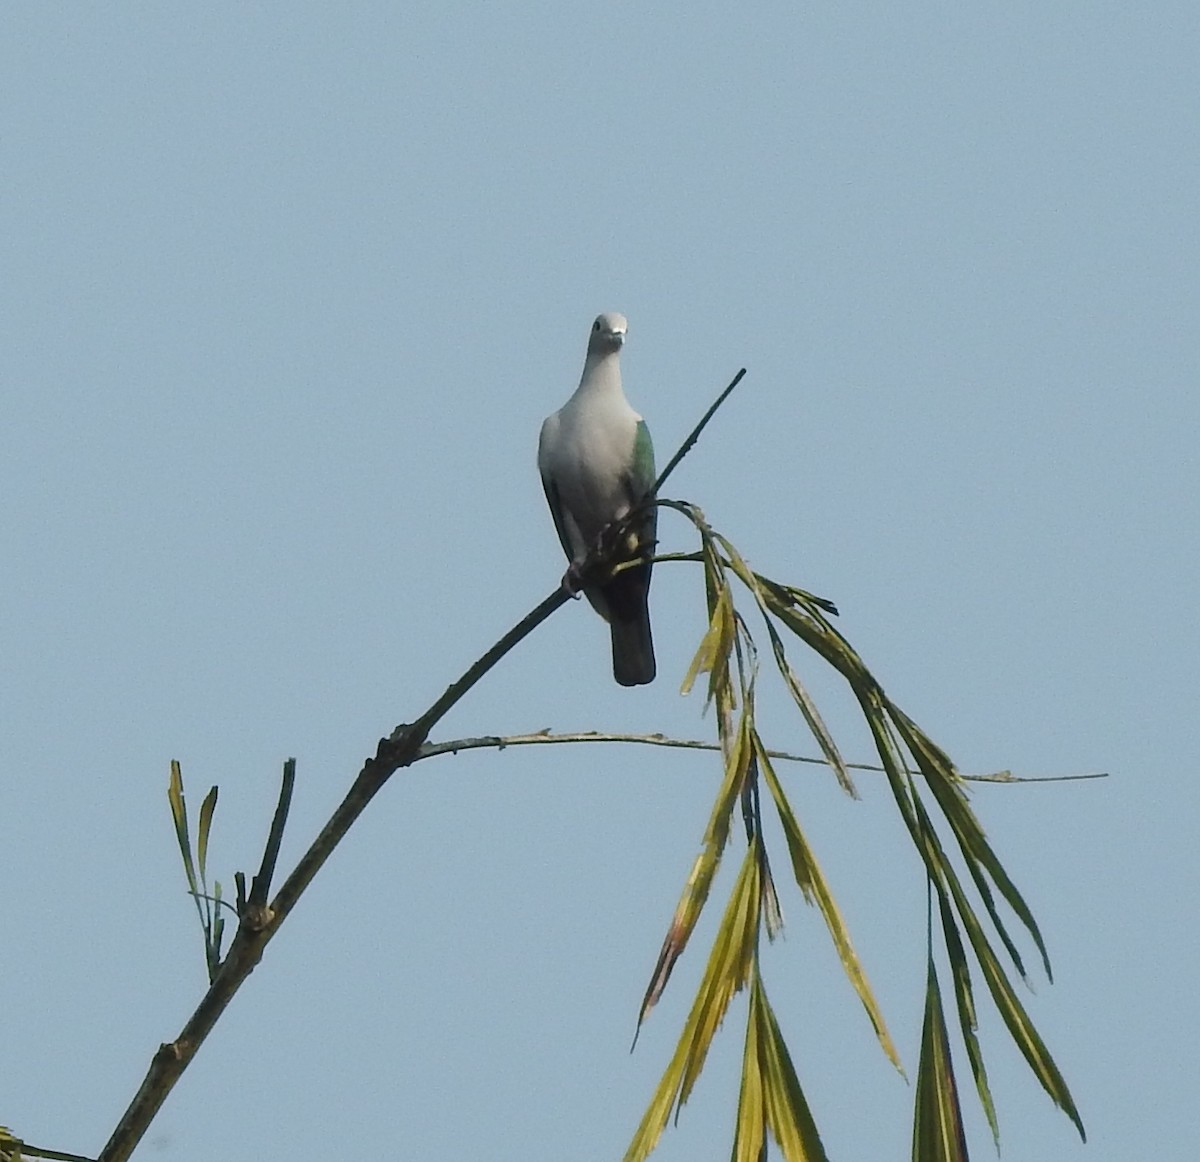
[(28, 1152), (687, 445), (260, 923), (544, 737)]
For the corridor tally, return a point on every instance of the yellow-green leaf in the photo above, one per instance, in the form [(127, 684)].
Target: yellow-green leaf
[(10, 1146), (750, 1128), (699, 882), (206, 815), (937, 1118), (179, 815), (729, 964), (706, 655), (727, 970), (812, 883), (946, 785), (808, 708), (784, 1105)]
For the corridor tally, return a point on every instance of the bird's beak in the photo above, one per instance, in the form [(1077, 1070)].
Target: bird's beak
[(618, 337)]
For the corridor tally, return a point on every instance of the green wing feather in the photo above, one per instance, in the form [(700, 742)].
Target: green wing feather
[(643, 459), (641, 480)]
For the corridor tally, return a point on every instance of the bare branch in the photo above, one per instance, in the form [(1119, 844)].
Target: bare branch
[(28, 1152), (687, 445), (544, 738)]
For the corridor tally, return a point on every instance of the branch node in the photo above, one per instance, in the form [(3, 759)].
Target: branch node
[(257, 917)]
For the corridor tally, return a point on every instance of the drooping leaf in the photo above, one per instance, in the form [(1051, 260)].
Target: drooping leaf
[(812, 883), (937, 1119), (699, 882), (880, 715), (784, 1105), (770, 599), (728, 968), (908, 757), (947, 787), (789, 596), (1022, 1030), (713, 648), (964, 998), (725, 974), (750, 1128), (812, 716), (1020, 1027), (820, 636), (950, 794), (772, 910)]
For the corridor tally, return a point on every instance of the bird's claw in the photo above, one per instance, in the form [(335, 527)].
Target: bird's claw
[(572, 580)]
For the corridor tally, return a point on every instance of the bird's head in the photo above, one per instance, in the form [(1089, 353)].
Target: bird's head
[(608, 333)]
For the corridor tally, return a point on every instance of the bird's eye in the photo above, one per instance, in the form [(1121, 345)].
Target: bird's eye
[(596, 325)]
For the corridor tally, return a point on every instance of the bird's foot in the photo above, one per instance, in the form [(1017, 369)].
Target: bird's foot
[(572, 580)]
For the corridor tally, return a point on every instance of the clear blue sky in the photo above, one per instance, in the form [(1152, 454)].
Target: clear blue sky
[(287, 290)]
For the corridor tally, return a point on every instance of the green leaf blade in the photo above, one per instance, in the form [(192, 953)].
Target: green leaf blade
[(964, 998), (202, 832), (175, 798), (938, 1134)]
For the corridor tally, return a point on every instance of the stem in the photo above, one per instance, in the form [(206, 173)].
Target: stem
[(260, 922), (545, 738), (686, 446)]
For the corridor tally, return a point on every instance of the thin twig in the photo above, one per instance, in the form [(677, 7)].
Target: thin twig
[(544, 737), (260, 886), (218, 903), (28, 1151), (686, 446)]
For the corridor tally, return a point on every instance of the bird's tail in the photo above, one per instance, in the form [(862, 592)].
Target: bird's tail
[(633, 651)]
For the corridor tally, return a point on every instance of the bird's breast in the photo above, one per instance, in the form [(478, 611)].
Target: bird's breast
[(594, 454)]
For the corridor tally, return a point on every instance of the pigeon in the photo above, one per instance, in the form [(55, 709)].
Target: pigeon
[(597, 462)]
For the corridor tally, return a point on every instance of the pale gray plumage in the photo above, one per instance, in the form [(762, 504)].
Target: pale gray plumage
[(597, 462)]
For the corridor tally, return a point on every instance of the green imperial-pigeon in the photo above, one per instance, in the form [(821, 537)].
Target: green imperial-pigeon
[(597, 463)]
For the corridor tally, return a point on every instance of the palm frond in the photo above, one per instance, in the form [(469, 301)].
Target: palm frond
[(770, 1102)]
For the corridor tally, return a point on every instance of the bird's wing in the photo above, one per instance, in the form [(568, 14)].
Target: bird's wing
[(626, 595), (640, 479), (565, 525), (642, 469)]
